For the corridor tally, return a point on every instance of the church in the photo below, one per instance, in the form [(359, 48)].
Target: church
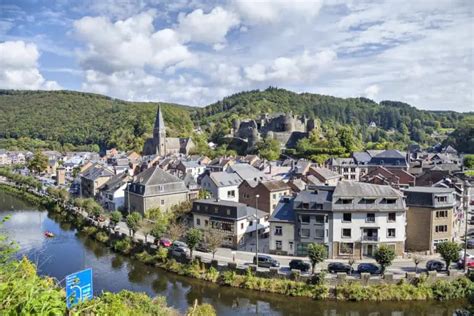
[(161, 145)]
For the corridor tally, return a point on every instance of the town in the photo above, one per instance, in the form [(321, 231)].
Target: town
[(272, 214)]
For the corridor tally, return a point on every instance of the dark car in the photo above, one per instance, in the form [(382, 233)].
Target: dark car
[(335, 267), (299, 264), (203, 247), (470, 243), (435, 265), (368, 268), (266, 261)]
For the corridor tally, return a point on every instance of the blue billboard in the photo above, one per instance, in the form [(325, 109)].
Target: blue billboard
[(79, 287)]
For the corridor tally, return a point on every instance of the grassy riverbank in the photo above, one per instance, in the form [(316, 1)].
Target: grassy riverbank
[(419, 288)]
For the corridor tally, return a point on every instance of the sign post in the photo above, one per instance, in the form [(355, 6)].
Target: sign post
[(79, 287)]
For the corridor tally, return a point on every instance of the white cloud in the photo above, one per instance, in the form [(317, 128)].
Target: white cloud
[(19, 67), (207, 28), (372, 91), (128, 44)]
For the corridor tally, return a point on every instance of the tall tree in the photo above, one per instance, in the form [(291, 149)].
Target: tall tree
[(317, 253), (38, 163), (193, 238)]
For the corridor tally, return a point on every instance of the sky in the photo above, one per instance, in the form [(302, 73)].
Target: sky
[(197, 52)]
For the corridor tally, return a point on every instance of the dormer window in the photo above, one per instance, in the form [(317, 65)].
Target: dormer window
[(344, 201), (389, 201), (441, 199), (367, 201)]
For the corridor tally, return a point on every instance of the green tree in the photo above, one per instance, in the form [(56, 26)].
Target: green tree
[(384, 256), (158, 230), (96, 210), (38, 163), (449, 251), (213, 241), (317, 253), (268, 149), (115, 217), (193, 238), (469, 161), (133, 222)]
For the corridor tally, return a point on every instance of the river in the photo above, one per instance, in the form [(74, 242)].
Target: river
[(68, 253)]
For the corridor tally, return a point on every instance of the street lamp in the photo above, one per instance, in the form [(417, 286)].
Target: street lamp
[(256, 226)]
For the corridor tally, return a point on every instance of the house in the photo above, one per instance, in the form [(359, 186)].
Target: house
[(395, 177), (220, 164), (366, 216), (348, 168), (325, 175), (247, 172), (155, 188), (191, 167), (112, 192), (269, 194), (94, 177), (222, 185), (430, 217), (389, 157), (282, 228), (4, 158), (235, 221), (351, 219)]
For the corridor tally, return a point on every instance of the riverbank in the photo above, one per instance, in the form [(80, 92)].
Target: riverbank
[(417, 289)]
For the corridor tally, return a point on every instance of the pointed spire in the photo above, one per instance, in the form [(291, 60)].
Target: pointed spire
[(159, 122)]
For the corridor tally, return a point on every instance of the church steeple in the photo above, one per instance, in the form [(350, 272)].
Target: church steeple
[(159, 134)]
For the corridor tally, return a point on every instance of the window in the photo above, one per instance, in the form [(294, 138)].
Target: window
[(162, 202), (319, 219), (370, 218), (353, 176), (198, 207), (231, 194), (290, 245), (344, 201), (353, 169), (442, 199), (278, 231), (346, 233), (274, 195), (278, 244), (251, 223), (391, 233), (227, 226), (206, 223), (441, 228), (241, 225), (392, 217), (346, 248), (347, 217), (305, 205), (304, 233), (198, 221), (367, 201), (305, 219), (441, 214), (388, 201), (319, 233), (228, 211)]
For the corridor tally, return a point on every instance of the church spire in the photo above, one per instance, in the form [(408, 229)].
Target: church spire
[(159, 122)]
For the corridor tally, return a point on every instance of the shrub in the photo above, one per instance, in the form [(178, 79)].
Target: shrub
[(194, 270), (162, 254), (211, 275), (89, 230), (145, 257), (384, 256), (123, 245), (231, 278), (102, 237), (445, 290), (201, 310)]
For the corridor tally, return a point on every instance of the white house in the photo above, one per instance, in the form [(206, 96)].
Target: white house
[(282, 228), (222, 185), (112, 192)]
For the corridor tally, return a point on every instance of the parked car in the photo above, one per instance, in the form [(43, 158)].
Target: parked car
[(165, 242), (202, 247), (299, 264), (470, 243), (368, 268), (265, 261), (178, 248), (470, 263), (435, 265), (335, 267)]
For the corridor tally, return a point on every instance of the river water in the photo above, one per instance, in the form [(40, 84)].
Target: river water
[(68, 253)]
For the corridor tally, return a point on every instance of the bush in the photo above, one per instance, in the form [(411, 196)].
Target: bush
[(102, 237), (445, 290), (145, 257), (162, 254), (89, 230), (211, 275), (123, 245)]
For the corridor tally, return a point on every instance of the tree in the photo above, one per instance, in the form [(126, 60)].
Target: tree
[(384, 256), (213, 241), (133, 222), (269, 149), (316, 253), (158, 230), (351, 263), (469, 161), (96, 210), (193, 238), (416, 260), (449, 251), (115, 217), (38, 163), (176, 230)]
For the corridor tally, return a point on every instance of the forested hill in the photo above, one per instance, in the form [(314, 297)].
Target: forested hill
[(396, 122), (358, 111), (84, 118)]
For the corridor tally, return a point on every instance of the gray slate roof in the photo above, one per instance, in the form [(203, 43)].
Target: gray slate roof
[(224, 179), (284, 211), (247, 172), (359, 189), (154, 176)]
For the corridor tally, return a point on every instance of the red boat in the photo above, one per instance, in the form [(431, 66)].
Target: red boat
[(48, 234)]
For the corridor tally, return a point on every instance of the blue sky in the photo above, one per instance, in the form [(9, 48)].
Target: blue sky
[(196, 52)]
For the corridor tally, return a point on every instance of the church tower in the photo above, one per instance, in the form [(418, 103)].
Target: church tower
[(159, 134)]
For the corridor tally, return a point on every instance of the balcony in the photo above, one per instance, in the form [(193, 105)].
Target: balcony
[(370, 238)]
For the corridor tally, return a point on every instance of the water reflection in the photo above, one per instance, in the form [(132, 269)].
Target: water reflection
[(69, 252)]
